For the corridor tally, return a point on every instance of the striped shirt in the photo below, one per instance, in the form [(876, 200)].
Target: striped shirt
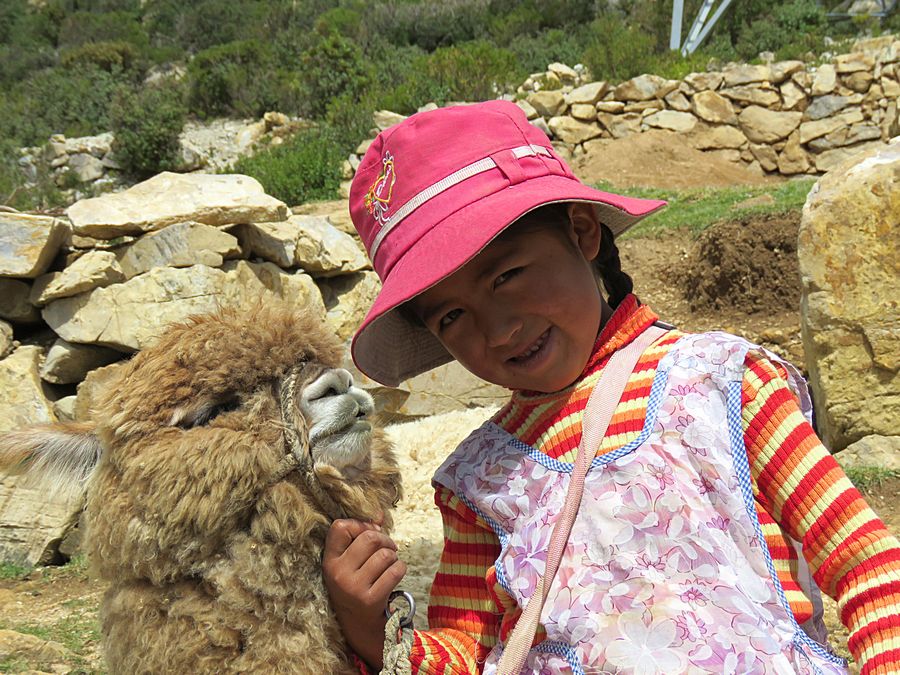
[(801, 495)]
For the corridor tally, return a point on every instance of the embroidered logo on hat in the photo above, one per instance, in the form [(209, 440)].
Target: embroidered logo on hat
[(378, 198)]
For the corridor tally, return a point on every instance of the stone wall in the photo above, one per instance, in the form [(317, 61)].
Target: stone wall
[(784, 117)]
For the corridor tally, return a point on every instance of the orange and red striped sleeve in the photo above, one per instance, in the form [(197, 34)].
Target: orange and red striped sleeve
[(463, 614), (853, 557)]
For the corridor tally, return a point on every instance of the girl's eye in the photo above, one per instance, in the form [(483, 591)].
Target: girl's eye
[(506, 276), (449, 317)]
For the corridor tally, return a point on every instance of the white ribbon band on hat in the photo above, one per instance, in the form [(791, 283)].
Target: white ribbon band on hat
[(444, 184)]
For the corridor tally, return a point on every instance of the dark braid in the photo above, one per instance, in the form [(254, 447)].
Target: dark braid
[(616, 282)]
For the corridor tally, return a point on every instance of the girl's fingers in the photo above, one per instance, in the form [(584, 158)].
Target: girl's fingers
[(343, 533), (387, 582)]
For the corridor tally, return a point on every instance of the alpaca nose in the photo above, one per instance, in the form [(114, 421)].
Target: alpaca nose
[(332, 382)]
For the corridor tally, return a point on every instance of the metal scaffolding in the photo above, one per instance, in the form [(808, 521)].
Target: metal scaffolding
[(699, 29)]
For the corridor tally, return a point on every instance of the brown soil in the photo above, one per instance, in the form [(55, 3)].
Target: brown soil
[(660, 159)]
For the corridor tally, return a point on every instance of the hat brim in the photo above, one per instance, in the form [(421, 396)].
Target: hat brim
[(388, 347)]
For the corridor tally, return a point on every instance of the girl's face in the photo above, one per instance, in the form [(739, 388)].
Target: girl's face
[(525, 312)]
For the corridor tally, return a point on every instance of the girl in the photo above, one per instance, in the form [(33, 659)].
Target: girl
[(712, 513)]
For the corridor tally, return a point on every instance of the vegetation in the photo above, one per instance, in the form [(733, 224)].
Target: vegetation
[(870, 478), (78, 66)]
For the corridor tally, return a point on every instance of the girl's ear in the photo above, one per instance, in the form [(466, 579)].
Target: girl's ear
[(586, 228)]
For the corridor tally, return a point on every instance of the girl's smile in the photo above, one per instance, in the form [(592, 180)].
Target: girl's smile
[(525, 312)]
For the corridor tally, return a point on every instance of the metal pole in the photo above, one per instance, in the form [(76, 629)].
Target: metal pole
[(698, 23), (675, 35), (708, 27)]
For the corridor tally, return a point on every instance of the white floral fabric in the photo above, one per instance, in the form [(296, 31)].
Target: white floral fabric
[(665, 570)]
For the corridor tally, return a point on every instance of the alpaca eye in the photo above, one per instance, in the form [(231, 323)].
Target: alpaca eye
[(189, 419)]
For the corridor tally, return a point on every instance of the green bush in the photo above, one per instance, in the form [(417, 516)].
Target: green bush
[(549, 46), (109, 56), (791, 29), (146, 124), (305, 168), (619, 50), (84, 27), (334, 66), (239, 79), (473, 71)]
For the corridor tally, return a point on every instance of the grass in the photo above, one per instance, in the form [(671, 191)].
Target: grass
[(870, 478), (12, 571), (698, 208)]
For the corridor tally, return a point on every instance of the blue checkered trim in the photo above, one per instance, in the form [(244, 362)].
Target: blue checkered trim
[(657, 393), (562, 649), (742, 469), (501, 535)]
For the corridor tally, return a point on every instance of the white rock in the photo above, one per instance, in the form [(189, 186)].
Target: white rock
[(169, 198), (703, 81), (548, 103), (68, 363), (570, 130), (824, 81), (565, 74), (671, 120), (94, 269), (761, 125), (347, 300), (528, 109), (587, 93), (29, 243), (385, 119), (746, 74), (178, 245), (713, 107)]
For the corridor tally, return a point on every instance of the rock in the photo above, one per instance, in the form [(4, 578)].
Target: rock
[(16, 646), (610, 106), (764, 95), (565, 74), (825, 106), (570, 130), (583, 112), (853, 63), (93, 386), (6, 339), (843, 136), (703, 81), (825, 80), (784, 69), (29, 243), (746, 74), (713, 107), (792, 95), (676, 100), (31, 521), (793, 158), (96, 146), (310, 242), (385, 119), (644, 88), (169, 198), (890, 124), (86, 168), (528, 109), (717, 137), (347, 300), (68, 363), (828, 160), (94, 269), (64, 409), (811, 130), (587, 94), (178, 245), (336, 211), (882, 452), (620, 126), (860, 81), (548, 103), (671, 120), (131, 315), (848, 252), (645, 107), (541, 124), (761, 125), (15, 305)]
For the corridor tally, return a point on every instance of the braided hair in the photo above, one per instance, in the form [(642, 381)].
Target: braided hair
[(617, 283)]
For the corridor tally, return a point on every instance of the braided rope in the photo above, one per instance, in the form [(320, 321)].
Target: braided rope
[(398, 642)]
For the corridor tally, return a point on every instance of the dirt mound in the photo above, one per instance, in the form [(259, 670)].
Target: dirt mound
[(661, 159), (748, 265)]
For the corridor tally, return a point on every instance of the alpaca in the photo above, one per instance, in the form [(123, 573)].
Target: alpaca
[(214, 466)]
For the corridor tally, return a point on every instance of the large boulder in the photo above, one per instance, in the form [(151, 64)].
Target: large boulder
[(131, 315), (849, 252), (32, 522), (29, 243), (762, 125), (169, 198), (179, 245)]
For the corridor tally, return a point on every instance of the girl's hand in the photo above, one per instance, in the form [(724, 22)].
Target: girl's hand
[(360, 568)]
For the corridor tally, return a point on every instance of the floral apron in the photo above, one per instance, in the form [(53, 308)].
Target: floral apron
[(666, 568)]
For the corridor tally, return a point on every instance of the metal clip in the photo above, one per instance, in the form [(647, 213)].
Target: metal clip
[(406, 621)]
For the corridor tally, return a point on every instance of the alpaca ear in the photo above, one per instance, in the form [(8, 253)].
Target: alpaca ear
[(59, 457)]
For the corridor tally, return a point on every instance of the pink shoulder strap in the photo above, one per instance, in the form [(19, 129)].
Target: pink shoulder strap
[(597, 414)]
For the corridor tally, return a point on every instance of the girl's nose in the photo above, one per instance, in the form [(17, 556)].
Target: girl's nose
[(500, 328)]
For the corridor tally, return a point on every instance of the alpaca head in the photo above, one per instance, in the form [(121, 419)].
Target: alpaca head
[(195, 431)]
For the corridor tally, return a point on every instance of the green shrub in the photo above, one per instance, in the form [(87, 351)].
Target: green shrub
[(549, 46), (84, 27), (146, 124), (473, 71), (334, 66), (619, 50), (305, 168), (239, 79), (109, 56), (791, 29)]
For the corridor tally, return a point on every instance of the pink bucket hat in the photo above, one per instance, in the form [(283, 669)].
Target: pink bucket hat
[(431, 193)]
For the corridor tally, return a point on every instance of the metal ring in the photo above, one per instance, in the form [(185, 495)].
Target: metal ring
[(406, 621)]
